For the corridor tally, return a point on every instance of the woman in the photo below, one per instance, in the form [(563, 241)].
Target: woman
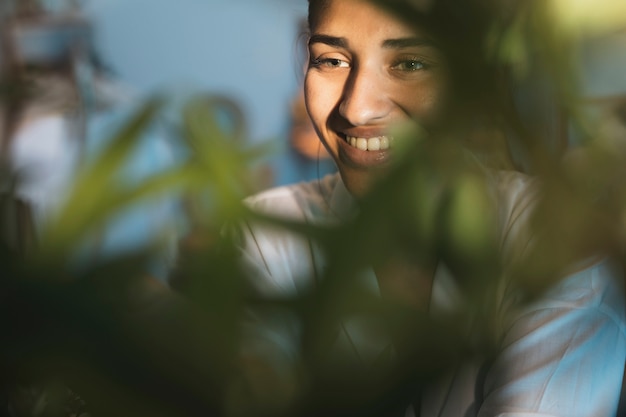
[(562, 355)]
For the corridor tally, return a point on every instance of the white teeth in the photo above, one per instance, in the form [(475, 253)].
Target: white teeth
[(370, 144), (384, 142)]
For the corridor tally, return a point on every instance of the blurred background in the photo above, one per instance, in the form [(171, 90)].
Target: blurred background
[(245, 49), (251, 51), (95, 61)]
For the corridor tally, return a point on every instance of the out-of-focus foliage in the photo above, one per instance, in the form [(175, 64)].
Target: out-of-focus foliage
[(109, 331), (584, 17), (112, 341)]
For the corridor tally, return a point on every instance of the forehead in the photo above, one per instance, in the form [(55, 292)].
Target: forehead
[(352, 16)]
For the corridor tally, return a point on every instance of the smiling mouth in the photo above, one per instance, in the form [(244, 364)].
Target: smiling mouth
[(377, 143)]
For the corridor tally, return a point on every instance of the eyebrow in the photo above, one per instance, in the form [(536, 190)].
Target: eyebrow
[(407, 43), (329, 40), (399, 43)]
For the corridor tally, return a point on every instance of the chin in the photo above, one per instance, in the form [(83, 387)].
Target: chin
[(358, 183)]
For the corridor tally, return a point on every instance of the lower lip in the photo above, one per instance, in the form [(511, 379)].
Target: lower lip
[(357, 158)]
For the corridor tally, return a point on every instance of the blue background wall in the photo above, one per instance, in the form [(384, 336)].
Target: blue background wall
[(244, 48)]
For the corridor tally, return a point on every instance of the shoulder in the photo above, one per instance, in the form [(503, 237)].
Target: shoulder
[(280, 260), (300, 201), (515, 196), (583, 283), (516, 193)]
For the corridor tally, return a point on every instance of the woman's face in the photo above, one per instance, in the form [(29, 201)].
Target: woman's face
[(369, 71)]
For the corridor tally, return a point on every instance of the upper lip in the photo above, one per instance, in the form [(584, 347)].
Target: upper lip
[(365, 133)]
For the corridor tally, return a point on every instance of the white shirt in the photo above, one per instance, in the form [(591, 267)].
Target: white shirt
[(562, 355)]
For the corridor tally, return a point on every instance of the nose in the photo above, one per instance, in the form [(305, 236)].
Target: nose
[(364, 100)]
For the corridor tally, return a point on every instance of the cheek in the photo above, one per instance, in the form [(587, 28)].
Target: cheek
[(426, 101), (319, 100)]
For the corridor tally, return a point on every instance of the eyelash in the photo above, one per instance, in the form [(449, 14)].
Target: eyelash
[(329, 62), (416, 63), (412, 61)]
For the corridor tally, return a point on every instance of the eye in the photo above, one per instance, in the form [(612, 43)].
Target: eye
[(329, 63), (409, 65)]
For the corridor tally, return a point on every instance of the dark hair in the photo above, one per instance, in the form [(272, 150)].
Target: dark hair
[(461, 30), (316, 7)]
